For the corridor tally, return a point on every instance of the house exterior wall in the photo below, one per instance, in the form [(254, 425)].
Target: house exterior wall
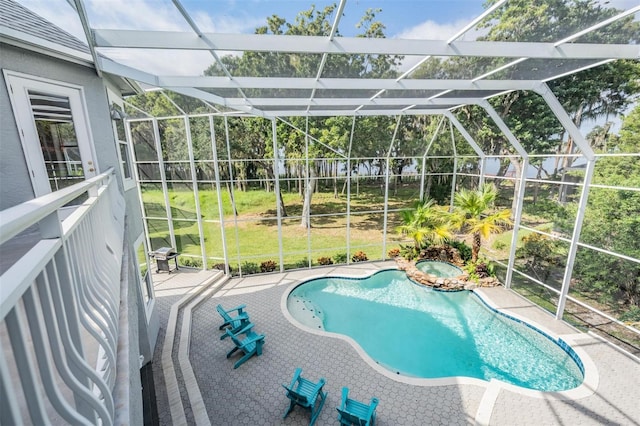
[(16, 188)]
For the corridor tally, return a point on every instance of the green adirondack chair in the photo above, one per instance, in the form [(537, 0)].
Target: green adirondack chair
[(352, 412), (234, 323), (250, 345), (306, 394)]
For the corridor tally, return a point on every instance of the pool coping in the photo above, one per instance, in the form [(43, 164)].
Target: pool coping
[(494, 386)]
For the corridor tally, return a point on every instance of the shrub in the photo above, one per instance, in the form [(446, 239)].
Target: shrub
[(250, 268), (268, 266), (463, 249), (340, 258), (500, 245), (325, 260), (408, 252), (394, 252), (302, 263), (192, 262), (220, 267), (632, 315), (359, 256)]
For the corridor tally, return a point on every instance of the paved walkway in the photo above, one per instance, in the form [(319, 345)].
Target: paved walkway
[(252, 395)]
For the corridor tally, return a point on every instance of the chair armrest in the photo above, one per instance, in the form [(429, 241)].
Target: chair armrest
[(296, 376), (373, 405), (238, 308), (246, 329), (345, 393), (319, 385)]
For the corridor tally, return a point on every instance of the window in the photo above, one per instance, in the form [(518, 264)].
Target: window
[(118, 116), (144, 272)]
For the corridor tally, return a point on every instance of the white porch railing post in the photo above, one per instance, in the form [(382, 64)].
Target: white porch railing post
[(59, 303)]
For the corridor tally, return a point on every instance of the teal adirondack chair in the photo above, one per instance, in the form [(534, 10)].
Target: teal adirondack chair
[(352, 412), (306, 394), (234, 323), (251, 344)]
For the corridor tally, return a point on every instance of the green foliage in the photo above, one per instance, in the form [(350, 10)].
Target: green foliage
[(463, 248), (631, 315), (250, 268), (500, 245), (340, 258), (191, 262), (302, 263), (612, 222), (471, 215), (427, 223), (268, 266), (409, 252), (359, 256), (541, 255), (325, 261)]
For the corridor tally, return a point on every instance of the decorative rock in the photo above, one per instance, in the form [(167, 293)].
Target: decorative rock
[(461, 282)]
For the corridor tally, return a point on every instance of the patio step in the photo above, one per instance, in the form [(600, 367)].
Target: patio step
[(180, 316)]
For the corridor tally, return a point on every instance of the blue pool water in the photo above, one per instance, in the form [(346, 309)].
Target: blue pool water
[(417, 331), (439, 269)]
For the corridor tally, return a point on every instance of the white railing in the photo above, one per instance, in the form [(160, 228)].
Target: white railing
[(59, 307)]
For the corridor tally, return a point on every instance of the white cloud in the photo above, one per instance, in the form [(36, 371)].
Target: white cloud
[(431, 30)]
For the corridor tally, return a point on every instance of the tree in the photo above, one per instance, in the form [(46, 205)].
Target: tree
[(470, 214), (612, 222), (426, 224), (335, 131)]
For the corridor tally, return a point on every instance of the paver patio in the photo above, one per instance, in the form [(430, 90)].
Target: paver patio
[(253, 395)]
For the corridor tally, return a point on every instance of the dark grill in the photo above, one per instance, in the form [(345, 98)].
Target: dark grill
[(162, 256)]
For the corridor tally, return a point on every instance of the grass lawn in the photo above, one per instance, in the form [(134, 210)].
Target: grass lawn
[(256, 236)]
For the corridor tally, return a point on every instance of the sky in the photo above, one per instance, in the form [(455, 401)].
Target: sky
[(426, 19), (410, 19)]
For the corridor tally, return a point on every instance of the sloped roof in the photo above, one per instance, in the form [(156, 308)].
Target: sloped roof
[(16, 17)]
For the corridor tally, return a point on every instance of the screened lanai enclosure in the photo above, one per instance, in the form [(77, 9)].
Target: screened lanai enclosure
[(301, 144)]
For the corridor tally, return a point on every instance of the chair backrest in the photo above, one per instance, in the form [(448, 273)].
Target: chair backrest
[(296, 397), (223, 313), (352, 418)]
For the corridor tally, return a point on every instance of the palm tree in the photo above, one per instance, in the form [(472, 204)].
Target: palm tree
[(470, 209), (426, 223)]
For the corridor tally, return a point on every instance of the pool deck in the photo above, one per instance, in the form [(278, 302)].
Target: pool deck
[(253, 395)]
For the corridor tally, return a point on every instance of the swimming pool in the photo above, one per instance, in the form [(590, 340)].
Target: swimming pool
[(439, 269), (417, 331)]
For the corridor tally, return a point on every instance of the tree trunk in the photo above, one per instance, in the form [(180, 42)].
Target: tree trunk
[(308, 194), (233, 203), (475, 248)]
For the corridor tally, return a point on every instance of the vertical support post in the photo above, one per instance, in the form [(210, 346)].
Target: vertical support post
[(571, 128), (196, 193), (575, 237), (522, 183), (307, 183), (386, 190), (521, 186), (136, 174), (455, 167), (424, 158), (472, 143), (163, 178), (231, 192), (483, 168), (276, 178), (353, 127), (216, 171)]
